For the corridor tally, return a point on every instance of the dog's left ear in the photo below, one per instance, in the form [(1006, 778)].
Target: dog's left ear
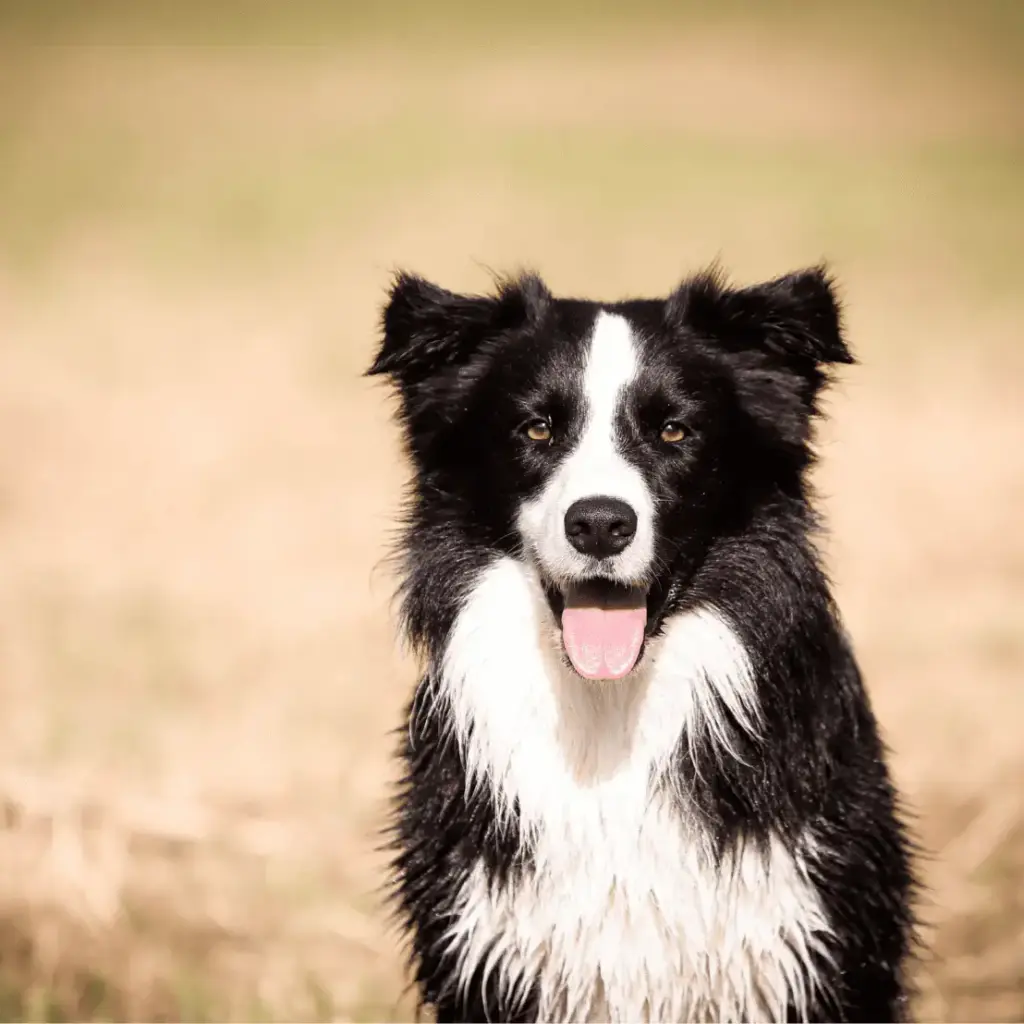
[(796, 317), (780, 338)]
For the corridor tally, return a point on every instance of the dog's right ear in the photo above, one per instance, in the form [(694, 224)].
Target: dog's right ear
[(427, 329)]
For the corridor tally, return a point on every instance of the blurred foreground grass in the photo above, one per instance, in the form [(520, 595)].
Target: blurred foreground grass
[(199, 209)]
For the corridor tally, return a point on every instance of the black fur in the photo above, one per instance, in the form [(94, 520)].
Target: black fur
[(743, 370)]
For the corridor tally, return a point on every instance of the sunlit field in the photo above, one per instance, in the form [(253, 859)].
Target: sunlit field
[(199, 214)]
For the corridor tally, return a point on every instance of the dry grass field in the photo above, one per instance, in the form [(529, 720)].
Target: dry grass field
[(198, 216)]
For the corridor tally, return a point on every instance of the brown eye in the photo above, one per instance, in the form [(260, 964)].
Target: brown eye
[(672, 432), (538, 430)]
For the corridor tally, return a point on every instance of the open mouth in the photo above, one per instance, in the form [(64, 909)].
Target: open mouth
[(603, 626)]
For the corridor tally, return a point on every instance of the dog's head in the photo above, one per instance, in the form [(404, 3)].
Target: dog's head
[(609, 445)]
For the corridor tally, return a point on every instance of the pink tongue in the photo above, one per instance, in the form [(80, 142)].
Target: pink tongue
[(603, 643)]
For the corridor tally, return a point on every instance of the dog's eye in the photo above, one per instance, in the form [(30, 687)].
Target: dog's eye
[(538, 430), (672, 432)]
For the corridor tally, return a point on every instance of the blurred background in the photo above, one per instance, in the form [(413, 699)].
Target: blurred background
[(200, 209)]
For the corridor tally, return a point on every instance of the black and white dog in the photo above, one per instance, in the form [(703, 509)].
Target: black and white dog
[(642, 777)]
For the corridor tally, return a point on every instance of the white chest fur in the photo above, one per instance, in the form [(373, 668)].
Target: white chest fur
[(624, 915)]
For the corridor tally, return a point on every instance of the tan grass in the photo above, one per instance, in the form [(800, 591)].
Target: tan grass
[(196, 488)]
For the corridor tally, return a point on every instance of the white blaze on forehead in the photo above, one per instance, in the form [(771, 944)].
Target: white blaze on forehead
[(596, 466), (611, 365)]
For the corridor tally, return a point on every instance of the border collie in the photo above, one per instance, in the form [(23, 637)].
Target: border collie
[(642, 778)]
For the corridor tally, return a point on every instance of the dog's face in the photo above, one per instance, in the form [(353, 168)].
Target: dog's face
[(608, 445)]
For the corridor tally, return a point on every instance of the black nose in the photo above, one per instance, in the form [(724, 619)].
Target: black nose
[(600, 527)]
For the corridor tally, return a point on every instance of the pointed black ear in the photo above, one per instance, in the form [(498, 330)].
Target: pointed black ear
[(427, 329), (795, 318), (779, 338)]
